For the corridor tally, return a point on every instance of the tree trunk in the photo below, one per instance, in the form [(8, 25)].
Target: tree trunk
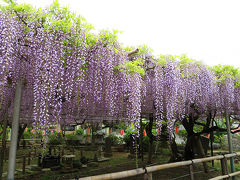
[(188, 151), (3, 149), (175, 156), (188, 125), (20, 133), (131, 144), (151, 138), (200, 151), (94, 129)]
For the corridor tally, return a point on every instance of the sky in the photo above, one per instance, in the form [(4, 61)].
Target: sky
[(206, 30)]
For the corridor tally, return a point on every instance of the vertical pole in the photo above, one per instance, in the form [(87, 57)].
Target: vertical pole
[(6, 153), (14, 134), (4, 146), (191, 172), (35, 151), (63, 155), (24, 164), (212, 138), (63, 152), (229, 135), (39, 160), (29, 157), (150, 176), (224, 166), (59, 150), (141, 139)]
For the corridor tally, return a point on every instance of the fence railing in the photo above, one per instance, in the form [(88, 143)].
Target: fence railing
[(147, 172)]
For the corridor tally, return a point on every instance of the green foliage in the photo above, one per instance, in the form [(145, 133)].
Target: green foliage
[(1, 132), (109, 37), (198, 128), (184, 60), (126, 138), (146, 140), (79, 131), (27, 135), (116, 140), (87, 135), (120, 125), (134, 66), (183, 134), (65, 20), (226, 71), (218, 136), (71, 137), (53, 17), (128, 48), (91, 39), (131, 129), (144, 49), (55, 139)]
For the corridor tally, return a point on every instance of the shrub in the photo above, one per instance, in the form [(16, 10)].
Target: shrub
[(116, 140), (55, 139), (72, 139), (79, 131), (27, 135)]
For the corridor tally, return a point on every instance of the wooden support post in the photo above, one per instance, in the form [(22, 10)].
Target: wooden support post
[(150, 176), (141, 139), (4, 144), (230, 145), (73, 150), (147, 176), (39, 160), (35, 151), (191, 172), (62, 155), (29, 157), (211, 139), (224, 166), (59, 150), (6, 154), (24, 164), (81, 153), (14, 132)]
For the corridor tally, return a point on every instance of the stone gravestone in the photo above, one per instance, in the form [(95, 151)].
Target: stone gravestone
[(100, 142), (108, 147)]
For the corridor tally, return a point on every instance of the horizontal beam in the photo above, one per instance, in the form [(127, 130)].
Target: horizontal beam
[(226, 176), (150, 169)]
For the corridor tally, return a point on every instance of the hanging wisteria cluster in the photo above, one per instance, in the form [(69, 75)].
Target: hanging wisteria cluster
[(66, 80)]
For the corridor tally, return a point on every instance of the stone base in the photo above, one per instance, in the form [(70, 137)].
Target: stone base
[(35, 168), (102, 159), (92, 164)]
